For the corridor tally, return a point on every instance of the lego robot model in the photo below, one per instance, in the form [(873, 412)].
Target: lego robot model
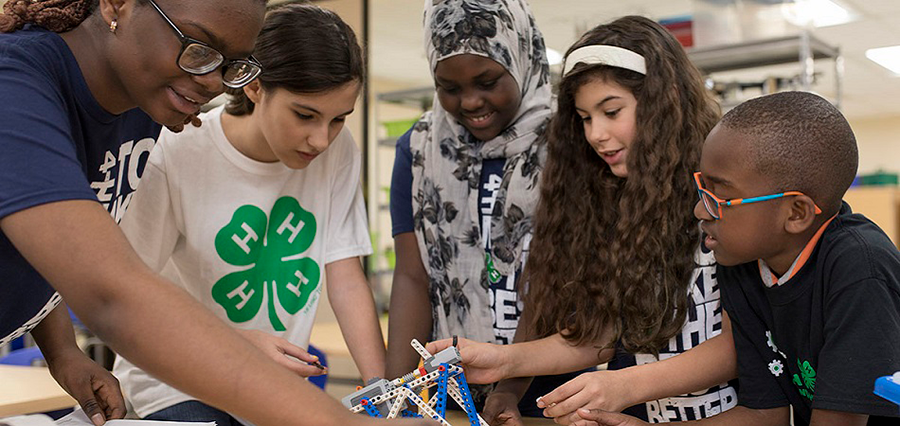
[(393, 398)]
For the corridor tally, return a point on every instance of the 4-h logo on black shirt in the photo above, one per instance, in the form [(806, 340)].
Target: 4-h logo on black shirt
[(806, 380)]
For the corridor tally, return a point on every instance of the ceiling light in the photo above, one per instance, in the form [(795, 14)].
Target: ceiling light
[(888, 57), (816, 13)]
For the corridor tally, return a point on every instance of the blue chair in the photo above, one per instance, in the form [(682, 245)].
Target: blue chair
[(28, 357), (319, 380), (17, 343)]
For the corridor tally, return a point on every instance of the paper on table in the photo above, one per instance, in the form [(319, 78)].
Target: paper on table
[(78, 418), (31, 420)]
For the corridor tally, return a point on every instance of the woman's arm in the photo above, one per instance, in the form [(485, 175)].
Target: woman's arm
[(410, 316), (78, 248), (353, 305)]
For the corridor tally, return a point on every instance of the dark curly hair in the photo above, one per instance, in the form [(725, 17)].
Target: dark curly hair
[(55, 15), (612, 252), (303, 48)]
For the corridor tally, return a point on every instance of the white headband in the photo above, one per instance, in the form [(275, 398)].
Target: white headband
[(606, 55)]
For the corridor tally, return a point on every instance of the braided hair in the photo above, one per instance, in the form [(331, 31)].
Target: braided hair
[(55, 15)]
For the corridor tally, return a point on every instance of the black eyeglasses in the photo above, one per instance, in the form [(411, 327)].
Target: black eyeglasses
[(199, 58)]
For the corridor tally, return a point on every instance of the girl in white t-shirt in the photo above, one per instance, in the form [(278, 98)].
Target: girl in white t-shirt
[(253, 211)]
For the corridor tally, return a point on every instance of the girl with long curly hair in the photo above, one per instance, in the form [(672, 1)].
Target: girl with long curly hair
[(617, 272)]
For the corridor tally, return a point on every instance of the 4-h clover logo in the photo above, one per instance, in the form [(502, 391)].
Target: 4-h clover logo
[(807, 385), (270, 248), (493, 274)]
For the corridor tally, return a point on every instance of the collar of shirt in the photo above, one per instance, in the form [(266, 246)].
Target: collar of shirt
[(769, 278)]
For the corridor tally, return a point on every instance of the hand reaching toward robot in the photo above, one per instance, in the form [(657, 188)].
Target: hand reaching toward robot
[(483, 362)]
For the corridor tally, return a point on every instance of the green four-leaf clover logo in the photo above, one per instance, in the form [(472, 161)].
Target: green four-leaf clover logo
[(270, 248), (806, 384)]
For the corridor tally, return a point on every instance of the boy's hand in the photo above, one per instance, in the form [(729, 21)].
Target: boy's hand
[(604, 390), (584, 417), (502, 409), (95, 389), (285, 353), (483, 362)]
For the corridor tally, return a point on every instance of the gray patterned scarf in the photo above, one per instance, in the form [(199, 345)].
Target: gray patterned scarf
[(447, 163)]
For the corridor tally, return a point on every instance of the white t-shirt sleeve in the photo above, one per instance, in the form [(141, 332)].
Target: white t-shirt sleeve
[(347, 234), (150, 223)]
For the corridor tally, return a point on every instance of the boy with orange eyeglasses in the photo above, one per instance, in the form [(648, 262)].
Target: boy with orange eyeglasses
[(812, 289)]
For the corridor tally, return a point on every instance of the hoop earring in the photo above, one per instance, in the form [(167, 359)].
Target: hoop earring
[(113, 25)]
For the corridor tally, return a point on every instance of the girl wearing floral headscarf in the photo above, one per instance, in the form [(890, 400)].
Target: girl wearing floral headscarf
[(465, 182)]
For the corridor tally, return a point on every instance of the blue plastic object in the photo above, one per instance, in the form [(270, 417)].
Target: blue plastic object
[(444, 375), (27, 357), (371, 408), (888, 387), (319, 380), (467, 399), (407, 413)]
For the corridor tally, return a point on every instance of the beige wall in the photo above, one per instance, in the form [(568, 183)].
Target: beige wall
[(879, 149), (879, 143)]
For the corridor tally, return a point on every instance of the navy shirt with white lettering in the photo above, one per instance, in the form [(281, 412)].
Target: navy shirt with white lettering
[(56, 143), (505, 304), (704, 321)]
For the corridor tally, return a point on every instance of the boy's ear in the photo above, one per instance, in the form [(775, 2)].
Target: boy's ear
[(802, 214)]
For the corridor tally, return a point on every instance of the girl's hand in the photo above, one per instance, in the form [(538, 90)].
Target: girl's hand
[(482, 362), (586, 417), (285, 353), (502, 409), (603, 390), (95, 389)]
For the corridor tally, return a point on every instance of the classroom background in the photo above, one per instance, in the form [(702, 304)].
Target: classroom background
[(846, 50)]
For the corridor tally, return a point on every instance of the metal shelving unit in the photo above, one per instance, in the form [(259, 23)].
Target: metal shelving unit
[(420, 98), (803, 48)]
